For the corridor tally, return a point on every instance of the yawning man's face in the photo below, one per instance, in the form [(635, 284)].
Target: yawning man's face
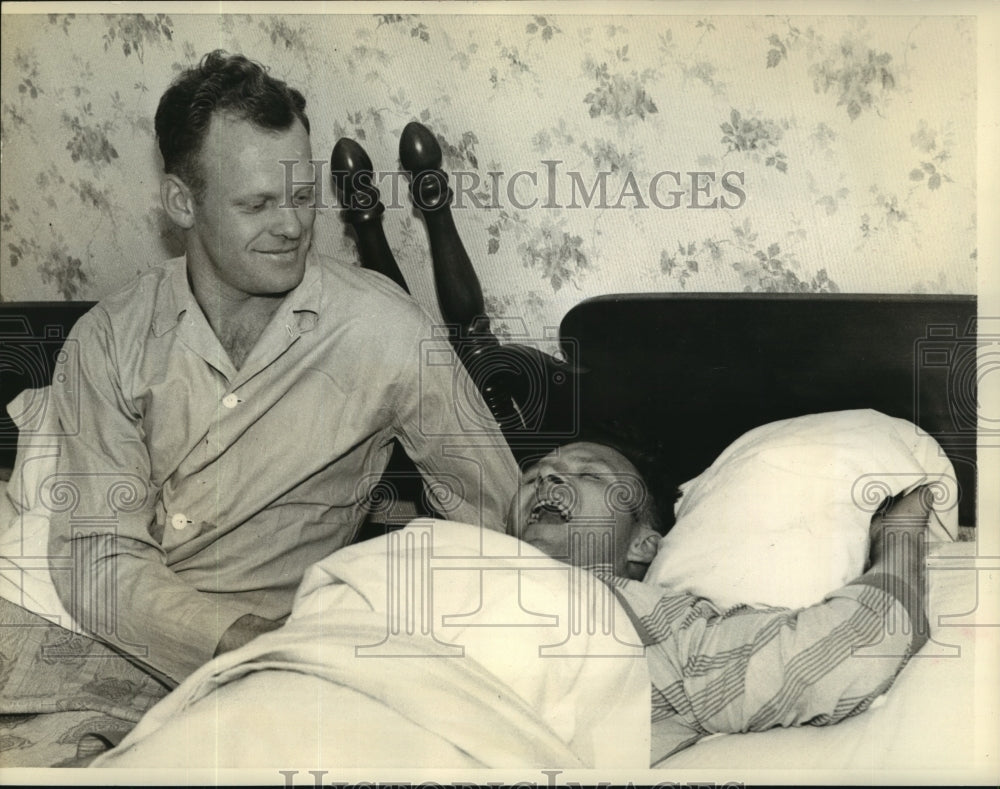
[(579, 504)]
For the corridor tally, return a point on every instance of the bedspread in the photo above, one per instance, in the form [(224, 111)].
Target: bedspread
[(64, 698), (441, 645)]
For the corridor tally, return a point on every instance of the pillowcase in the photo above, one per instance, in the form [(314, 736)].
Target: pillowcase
[(782, 517), (25, 578)]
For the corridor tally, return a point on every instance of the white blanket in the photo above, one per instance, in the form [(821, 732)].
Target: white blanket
[(472, 654)]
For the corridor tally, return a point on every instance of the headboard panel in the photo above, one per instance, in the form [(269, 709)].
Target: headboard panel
[(680, 376), (31, 335)]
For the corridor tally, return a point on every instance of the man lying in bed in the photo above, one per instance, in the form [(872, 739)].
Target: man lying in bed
[(741, 669)]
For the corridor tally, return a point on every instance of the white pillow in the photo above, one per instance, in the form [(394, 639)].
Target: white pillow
[(24, 517), (781, 518)]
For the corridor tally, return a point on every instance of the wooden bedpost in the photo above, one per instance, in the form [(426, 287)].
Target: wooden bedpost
[(460, 296), (352, 175)]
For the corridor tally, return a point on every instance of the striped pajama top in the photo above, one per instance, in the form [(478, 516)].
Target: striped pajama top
[(750, 669)]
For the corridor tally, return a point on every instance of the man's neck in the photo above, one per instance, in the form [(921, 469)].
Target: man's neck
[(239, 330), (238, 320)]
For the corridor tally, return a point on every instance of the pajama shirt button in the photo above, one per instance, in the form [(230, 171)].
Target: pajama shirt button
[(179, 521), (230, 401)]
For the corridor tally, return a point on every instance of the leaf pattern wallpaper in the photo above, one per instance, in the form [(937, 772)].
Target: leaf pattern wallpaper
[(589, 154)]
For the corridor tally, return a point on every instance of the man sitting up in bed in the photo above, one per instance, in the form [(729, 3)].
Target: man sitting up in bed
[(235, 407), (741, 669)]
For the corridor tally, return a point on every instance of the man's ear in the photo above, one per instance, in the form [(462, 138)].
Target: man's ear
[(643, 545), (177, 201)]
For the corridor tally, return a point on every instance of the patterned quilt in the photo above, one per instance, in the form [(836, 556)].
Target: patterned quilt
[(64, 698)]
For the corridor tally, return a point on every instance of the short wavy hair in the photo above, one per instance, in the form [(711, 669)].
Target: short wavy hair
[(220, 83)]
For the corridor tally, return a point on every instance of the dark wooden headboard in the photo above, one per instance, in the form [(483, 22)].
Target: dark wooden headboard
[(677, 377), (32, 334), (680, 376)]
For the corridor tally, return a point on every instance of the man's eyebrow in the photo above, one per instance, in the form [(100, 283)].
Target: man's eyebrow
[(253, 196), (257, 197), (590, 461)]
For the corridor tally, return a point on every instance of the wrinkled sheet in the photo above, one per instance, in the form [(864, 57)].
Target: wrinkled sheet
[(441, 645)]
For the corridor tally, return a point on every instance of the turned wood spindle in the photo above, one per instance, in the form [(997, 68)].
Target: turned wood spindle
[(353, 177), (460, 296)]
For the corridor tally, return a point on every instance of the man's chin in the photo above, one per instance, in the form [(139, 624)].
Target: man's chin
[(283, 283)]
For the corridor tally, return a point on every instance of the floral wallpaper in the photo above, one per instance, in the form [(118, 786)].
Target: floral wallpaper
[(589, 154)]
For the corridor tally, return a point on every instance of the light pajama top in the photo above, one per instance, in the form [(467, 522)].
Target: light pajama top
[(201, 493)]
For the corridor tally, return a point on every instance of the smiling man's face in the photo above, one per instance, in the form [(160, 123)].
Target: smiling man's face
[(580, 504), (250, 235)]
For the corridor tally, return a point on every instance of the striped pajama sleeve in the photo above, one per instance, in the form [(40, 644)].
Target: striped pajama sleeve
[(750, 669)]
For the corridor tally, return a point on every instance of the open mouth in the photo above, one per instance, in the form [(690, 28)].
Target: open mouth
[(549, 505)]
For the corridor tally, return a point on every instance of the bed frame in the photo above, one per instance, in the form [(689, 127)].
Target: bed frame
[(675, 377), (671, 377)]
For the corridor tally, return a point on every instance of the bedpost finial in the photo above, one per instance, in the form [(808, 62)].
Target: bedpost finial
[(354, 179), (350, 167), (419, 149)]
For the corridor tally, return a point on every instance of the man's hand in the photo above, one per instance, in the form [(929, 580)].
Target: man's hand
[(902, 526), (898, 555), (243, 631)]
